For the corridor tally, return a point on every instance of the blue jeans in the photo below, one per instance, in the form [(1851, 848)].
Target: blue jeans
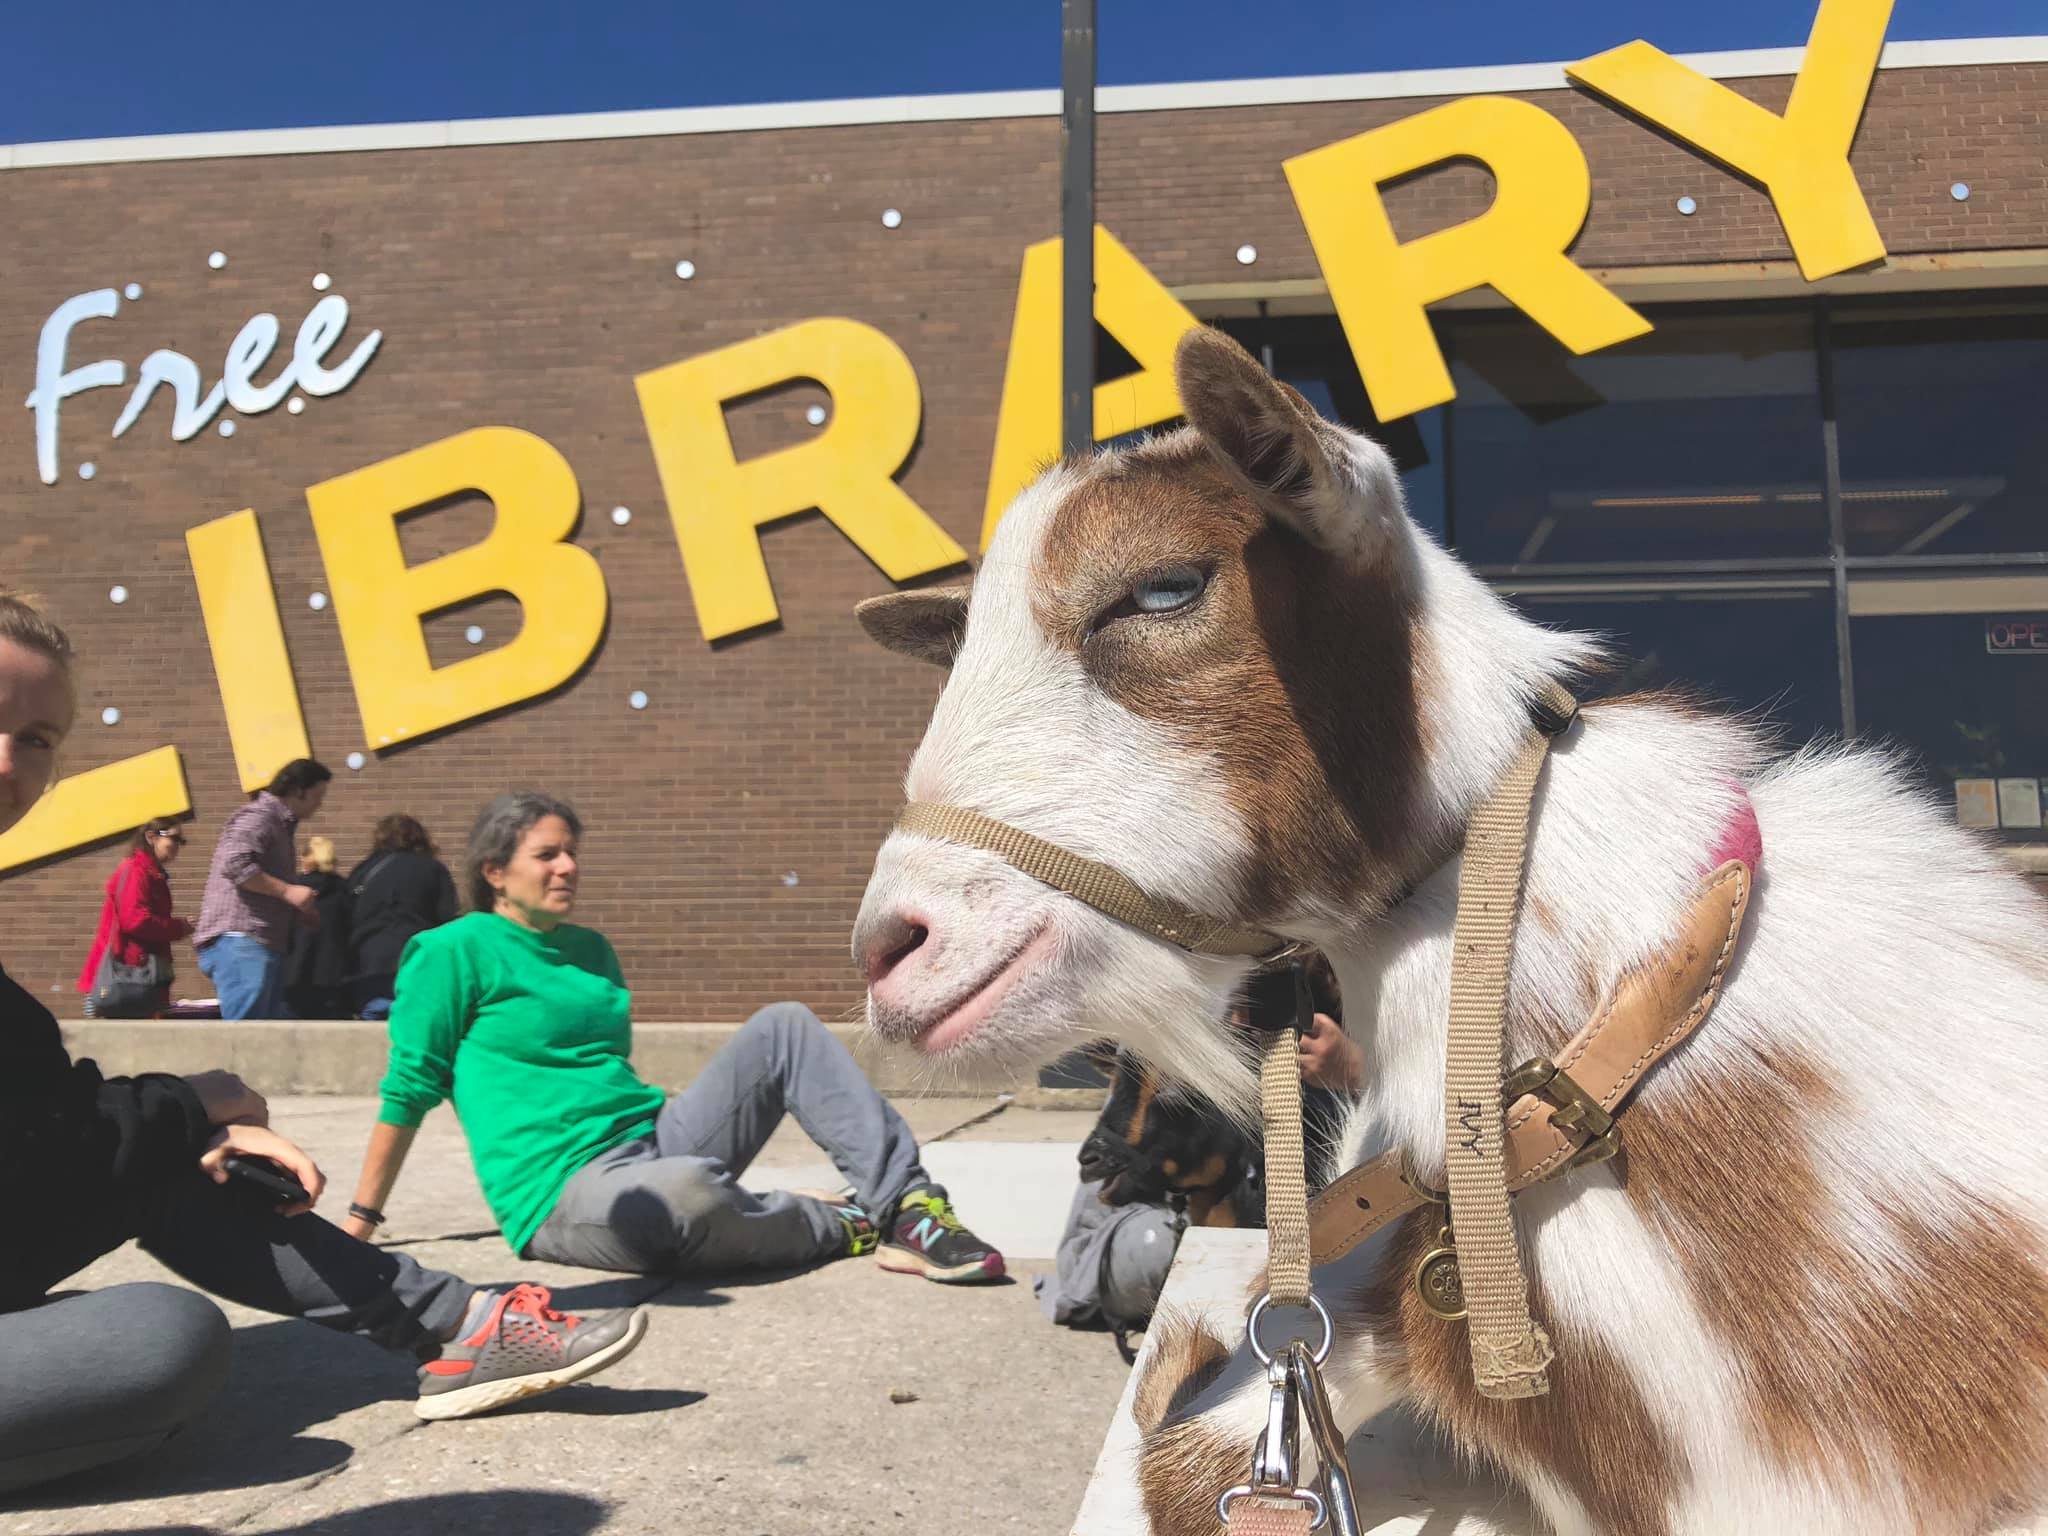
[(248, 977), (376, 1008)]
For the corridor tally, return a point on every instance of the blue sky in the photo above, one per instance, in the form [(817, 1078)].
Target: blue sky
[(77, 70)]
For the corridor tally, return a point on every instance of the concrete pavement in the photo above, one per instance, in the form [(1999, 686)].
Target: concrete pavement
[(756, 1404)]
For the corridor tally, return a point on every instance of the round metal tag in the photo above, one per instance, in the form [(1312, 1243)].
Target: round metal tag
[(1439, 1284)]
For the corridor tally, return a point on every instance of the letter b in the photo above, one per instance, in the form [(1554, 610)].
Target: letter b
[(380, 601)]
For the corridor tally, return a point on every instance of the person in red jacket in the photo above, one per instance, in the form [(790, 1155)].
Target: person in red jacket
[(137, 914)]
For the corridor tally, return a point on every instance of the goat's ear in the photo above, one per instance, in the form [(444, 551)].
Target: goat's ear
[(927, 623), (1337, 490)]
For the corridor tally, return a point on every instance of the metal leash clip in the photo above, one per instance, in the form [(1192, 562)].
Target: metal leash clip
[(1273, 1461), (1333, 1461), (1294, 1382)]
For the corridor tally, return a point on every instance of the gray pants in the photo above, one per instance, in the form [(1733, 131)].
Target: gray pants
[(95, 1377), (1112, 1262), (671, 1201)]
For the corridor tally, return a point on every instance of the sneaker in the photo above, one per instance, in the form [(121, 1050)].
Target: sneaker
[(520, 1348), (928, 1240), (859, 1227), (862, 1235)]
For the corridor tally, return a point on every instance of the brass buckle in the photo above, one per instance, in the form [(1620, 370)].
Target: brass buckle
[(1572, 1110)]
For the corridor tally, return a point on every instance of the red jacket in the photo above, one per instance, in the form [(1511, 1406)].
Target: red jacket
[(138, 911)]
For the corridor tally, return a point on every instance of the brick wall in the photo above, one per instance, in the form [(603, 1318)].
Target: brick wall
[(527, 284)]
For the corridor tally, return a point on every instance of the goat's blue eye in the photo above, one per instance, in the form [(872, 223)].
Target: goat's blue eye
[(1164, 591)]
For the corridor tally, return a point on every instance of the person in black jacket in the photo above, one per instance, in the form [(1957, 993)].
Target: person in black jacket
[(88, 1162), (401, 889), (317, 959)]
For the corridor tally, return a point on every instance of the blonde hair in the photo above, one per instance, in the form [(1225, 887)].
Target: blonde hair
[(319, 856), (24, 620)]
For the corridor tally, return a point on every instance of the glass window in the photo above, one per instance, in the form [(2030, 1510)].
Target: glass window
[(1963, 693), (1939, 415), (1699, 441), (1768, 648)]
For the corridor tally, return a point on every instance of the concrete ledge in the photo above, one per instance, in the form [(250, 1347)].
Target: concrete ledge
[(346, 1056)]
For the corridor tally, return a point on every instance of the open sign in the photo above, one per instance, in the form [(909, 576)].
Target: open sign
[(2016, 637)]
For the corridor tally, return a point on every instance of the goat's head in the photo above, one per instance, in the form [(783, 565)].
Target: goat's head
[(1194, 660), (1155, 1140)]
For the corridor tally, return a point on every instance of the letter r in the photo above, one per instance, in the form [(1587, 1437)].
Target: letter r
[(1381, 285)]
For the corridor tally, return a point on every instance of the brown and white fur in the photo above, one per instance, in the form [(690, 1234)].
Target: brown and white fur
[(1812, 1295)]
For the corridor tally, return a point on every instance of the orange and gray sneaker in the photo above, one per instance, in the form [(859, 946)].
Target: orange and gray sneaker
[(926, 1238), (513, 1345)]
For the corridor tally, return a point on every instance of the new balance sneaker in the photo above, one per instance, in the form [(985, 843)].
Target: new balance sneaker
[(927, 1239), (514, 1346), (859, 1227)]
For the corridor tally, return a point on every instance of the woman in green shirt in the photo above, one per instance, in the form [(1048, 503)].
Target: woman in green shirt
[(522, 1019)]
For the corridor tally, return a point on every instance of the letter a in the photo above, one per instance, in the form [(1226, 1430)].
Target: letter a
[(1132, 306)]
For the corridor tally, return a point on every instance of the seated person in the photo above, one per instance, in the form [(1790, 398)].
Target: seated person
[(1161, 1159), (523, 1020), (87, 1163)]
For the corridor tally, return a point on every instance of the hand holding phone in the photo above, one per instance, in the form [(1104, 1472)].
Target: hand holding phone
[(274, 1155), (265, 1174)]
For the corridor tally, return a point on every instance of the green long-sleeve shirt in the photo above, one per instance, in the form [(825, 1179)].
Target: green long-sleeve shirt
[(529, 1034)]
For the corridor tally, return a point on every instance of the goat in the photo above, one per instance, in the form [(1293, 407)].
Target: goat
[(1812, 1293), (1157, 1143)]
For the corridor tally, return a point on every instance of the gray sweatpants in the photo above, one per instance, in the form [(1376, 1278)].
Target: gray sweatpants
[(671, 1201), (1112, 1262), (92, 1378)]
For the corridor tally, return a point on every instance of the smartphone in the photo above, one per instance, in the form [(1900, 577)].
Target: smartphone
[(265, 1174)]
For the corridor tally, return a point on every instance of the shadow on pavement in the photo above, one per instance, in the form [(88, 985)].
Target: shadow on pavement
[(440, 1237), (635, 1291), (510, 1512), (286, 1376), (596, 1400)]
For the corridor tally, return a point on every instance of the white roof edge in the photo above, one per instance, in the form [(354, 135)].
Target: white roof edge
[(659, 122)]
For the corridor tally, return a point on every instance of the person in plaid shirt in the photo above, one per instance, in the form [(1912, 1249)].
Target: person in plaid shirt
[(251, 903)]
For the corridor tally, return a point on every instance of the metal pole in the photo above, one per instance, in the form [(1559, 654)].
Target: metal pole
[(1077, 225), (1831, 469)]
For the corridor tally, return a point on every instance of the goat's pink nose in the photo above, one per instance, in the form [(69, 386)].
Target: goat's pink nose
[(889, 942)]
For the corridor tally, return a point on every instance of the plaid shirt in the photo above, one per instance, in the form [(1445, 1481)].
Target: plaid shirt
[(257, 839)]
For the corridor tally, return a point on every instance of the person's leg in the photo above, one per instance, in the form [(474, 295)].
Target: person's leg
[(97, 1378), (783, 1059), (234, 963), (479, 1349), (225, 1239), (272, 1002), (634, 1210)]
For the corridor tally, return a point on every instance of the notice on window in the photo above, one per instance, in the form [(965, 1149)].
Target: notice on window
[(2019, 802), (2016, 637), (1977, 802)]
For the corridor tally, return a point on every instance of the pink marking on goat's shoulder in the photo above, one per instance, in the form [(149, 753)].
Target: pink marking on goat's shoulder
[(1741, 838)]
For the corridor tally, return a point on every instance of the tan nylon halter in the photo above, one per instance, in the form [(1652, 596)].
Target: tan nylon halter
[(1509, 1350), (1107, 890)]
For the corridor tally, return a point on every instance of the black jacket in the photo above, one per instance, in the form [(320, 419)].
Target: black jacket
[(78, 1153), (316, 960), (392, 896)]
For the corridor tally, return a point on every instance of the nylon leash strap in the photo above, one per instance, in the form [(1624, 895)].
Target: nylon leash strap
[(1510, 1350), (1279, 1500)]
